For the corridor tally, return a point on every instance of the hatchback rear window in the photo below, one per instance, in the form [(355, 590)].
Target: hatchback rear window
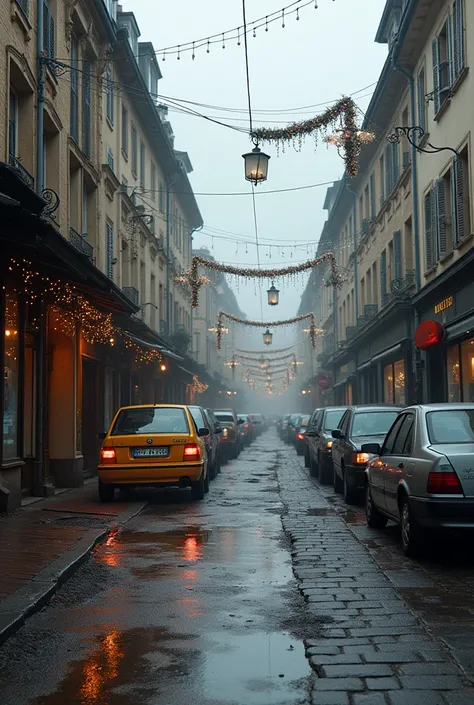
[(373, 423), (225, 418), (150, 420), (451, 426)]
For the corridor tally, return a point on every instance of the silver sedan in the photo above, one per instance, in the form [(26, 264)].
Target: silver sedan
[(423, 474)]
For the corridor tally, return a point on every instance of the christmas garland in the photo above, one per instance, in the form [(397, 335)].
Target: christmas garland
[(313, 331), (196, 281), (350, 138), (264, 353), (262, 360)]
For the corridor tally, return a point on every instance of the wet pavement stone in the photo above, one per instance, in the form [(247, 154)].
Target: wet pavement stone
[(371, 649)]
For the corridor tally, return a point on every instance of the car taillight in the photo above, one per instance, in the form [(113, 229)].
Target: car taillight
[(191, 451), (300, 436), (444, 482), (225, 432), (361, 458), (329, 445), (246, 425), (108, 455)]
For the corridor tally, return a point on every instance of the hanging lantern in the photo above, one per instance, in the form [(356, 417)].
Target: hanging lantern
[(256, 166), (273, 295), (267, 337)]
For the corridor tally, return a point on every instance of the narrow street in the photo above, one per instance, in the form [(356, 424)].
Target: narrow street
[(269, 591)]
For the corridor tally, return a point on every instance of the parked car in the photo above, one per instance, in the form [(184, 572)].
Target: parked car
[(318, 453), (230, 438), (246, 430), (283, 425), (212, 440), (300, 434), (215, 425), (360, 424), (155, 444), (291, 428), (422, 476)]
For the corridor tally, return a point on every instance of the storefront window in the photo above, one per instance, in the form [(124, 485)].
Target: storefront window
[(454, 384), (388, 396), (467, 370), (10, 379), (399, 382), (394, 383)]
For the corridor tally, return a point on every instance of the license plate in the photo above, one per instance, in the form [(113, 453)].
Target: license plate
[(162, 452)]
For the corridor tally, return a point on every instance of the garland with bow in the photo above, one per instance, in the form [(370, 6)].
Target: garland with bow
[(350, 138), (313, 331), (192, 278)]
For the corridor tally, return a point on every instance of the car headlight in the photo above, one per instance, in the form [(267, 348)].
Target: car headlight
[(225, 432), (328, 445)]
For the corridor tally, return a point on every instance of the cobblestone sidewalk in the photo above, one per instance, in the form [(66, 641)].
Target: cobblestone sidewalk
[(371, 649)]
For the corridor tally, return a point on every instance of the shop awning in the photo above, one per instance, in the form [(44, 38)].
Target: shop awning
[(153, 346), (188, 372)]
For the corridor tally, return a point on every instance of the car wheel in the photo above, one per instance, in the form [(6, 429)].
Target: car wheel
[(197, 488), (337, 482), (218, 464), (235, 452), (206, 482), (348, 492), (412, 534), (325, 474), (306, 459), (374, 518), (313, 468), (299, 450), (106, 492)]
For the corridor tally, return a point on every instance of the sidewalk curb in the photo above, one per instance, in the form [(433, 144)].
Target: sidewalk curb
[(31, 597)]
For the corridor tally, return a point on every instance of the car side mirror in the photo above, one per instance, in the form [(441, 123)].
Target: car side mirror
[(218, 429), (203, 432), (337, 433), (102, 436), (372, 448), (240, 422)]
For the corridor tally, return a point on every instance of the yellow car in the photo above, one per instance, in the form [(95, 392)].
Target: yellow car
[(153, 444)]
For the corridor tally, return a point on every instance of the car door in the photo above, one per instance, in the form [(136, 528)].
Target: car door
[(399, 463), (379, 468), (339, 445)]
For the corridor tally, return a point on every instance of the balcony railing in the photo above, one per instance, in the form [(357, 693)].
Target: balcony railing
[(80, 243), (370, 310), (386, 298), (350, 331), (22, 172), (399, 286), (132, 293), (361, 321)]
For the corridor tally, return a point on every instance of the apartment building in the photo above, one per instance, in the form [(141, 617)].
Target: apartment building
[(97, 214), (401, 230)]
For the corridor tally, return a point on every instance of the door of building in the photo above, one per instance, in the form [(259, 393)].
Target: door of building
[(90, 416)]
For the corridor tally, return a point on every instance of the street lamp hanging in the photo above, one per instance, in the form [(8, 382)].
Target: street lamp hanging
[(267, 337), (256, 166), (273, 295)]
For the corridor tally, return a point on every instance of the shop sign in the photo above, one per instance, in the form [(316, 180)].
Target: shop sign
[(323, 382), (428, 333), (444, 304)]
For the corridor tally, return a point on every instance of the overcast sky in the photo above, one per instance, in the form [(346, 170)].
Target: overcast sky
[(327, 53)]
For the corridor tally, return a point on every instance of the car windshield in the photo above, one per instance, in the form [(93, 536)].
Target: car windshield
[(225, 418), (372, 423), (451, 426), (150, 420), (332, 419)]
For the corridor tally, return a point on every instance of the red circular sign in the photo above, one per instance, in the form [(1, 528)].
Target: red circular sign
[(323, 382), (428, 333)]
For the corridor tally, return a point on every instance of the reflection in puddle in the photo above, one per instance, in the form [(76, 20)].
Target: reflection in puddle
[(100, 668)]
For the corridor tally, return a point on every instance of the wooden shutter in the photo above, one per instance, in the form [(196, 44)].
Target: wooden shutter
[(397, 253), (46, 26), (449, 37), (428, 212), (383, 276), (441, 217), (373, 207), (110, 250), (458, 36), (460, 221), (421, 99), (395, 163), (388, 171), (436, 78), (86, 109)]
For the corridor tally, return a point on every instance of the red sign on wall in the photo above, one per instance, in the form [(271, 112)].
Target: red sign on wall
[(428, 333), (323, 382)]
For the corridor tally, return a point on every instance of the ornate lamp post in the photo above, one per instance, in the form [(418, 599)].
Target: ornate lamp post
[(273, 295)]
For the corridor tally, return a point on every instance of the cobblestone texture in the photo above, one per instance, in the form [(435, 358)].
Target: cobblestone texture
[(371, 649)]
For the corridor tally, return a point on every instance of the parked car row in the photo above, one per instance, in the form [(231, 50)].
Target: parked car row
[(170, 445), (411, 465)]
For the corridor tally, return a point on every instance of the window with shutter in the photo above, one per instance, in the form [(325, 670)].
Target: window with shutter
[(383, 276), (110, 249), (441, 217), (449, 50), (48, 32), (397, 254), (429, 235), (134, 151), (24, 6), (388, 171), (395, 163), (373, 208), (458, 36), (13, 126), (74, 98), (421, 92), (436, 79), (459, 224), (86, 109), (109, 91)]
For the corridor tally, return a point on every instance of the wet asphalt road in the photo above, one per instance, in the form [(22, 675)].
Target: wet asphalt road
[(216, 602)]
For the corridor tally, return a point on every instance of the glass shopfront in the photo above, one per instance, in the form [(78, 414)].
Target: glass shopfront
[(394, 383), (460, 370), (11, 379)]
